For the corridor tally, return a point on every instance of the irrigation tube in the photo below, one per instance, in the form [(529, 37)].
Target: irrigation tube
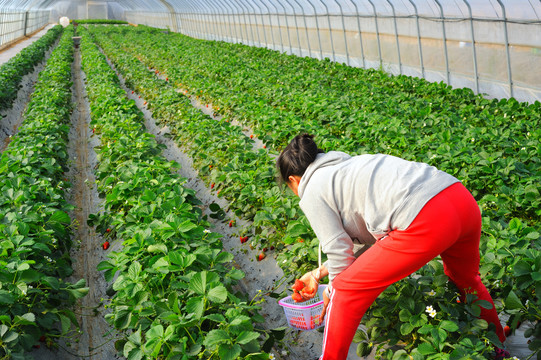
[(510, 77), (419, 37), (444, 43)]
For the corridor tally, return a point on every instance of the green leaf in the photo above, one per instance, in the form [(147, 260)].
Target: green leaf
[(122, 318), (449, 325), (217, 294), (155, 332), (512, 301), (198, 283), (215, 337), (364, 349), (426, 349), (196, 306), (61, 217), (228, 351), (406, 328), (247, 336), (157, 248)]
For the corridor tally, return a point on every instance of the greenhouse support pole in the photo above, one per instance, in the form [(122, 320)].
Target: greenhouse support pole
[(190, 21), (474, 51), (377, 33), (25, 21), (270, 25), (419, 38), (360, 33), (197, 30), (245, 21), (262, 25), (296, 27), (330, 29), (305, 30), (507, 52), (214, 22), (448, 74), (205, 27), (238, 34), (287, 27), (171, 10), (256, 23), (229, 20), (317, 30), (396, 37), (279, 26), (344, 31)]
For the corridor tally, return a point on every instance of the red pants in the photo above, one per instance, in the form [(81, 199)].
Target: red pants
[(448, 225)]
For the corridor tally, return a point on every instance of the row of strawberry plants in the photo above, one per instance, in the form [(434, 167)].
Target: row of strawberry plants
[(221, 152), (23, 63), (35, 227), (174, 294), (513, 271), (360, 110)]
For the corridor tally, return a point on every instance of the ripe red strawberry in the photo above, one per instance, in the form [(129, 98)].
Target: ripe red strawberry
[(37, 346), (272, 248), (296, 297), (212, 186), (261, 256), (132, 92), (507, 330), (145, 103), (264, 146), (231, 223), (108, 230), (105, 245), (252, 136), (298, 286), (265, 249), (42, 338), (243, 239), (166, 79)]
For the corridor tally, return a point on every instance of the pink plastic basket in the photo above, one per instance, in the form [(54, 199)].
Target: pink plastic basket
[(305, 315)]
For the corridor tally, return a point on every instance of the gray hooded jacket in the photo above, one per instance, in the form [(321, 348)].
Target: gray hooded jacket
[(354, 201)]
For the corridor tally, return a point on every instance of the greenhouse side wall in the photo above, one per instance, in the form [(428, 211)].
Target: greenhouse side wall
[(16, 24), (493, 56)]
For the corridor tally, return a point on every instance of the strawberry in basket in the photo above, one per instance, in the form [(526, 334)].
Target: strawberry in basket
[(300, 289)]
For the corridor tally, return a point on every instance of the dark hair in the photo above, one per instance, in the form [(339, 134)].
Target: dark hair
[(296, 157)]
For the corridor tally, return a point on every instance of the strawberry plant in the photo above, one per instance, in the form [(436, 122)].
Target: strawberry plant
[(173, 282), (35, 228), (23, 63)]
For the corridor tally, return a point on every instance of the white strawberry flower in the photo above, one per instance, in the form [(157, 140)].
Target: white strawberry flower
[(432, 293), (206, 231)]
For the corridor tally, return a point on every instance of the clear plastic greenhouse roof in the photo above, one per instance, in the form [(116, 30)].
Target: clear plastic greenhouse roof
[(511, 9)]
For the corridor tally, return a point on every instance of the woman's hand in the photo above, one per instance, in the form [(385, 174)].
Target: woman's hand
[(311, 283), (326, 301)]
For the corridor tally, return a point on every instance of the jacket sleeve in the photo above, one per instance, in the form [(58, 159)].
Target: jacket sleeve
[(334, 240)]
